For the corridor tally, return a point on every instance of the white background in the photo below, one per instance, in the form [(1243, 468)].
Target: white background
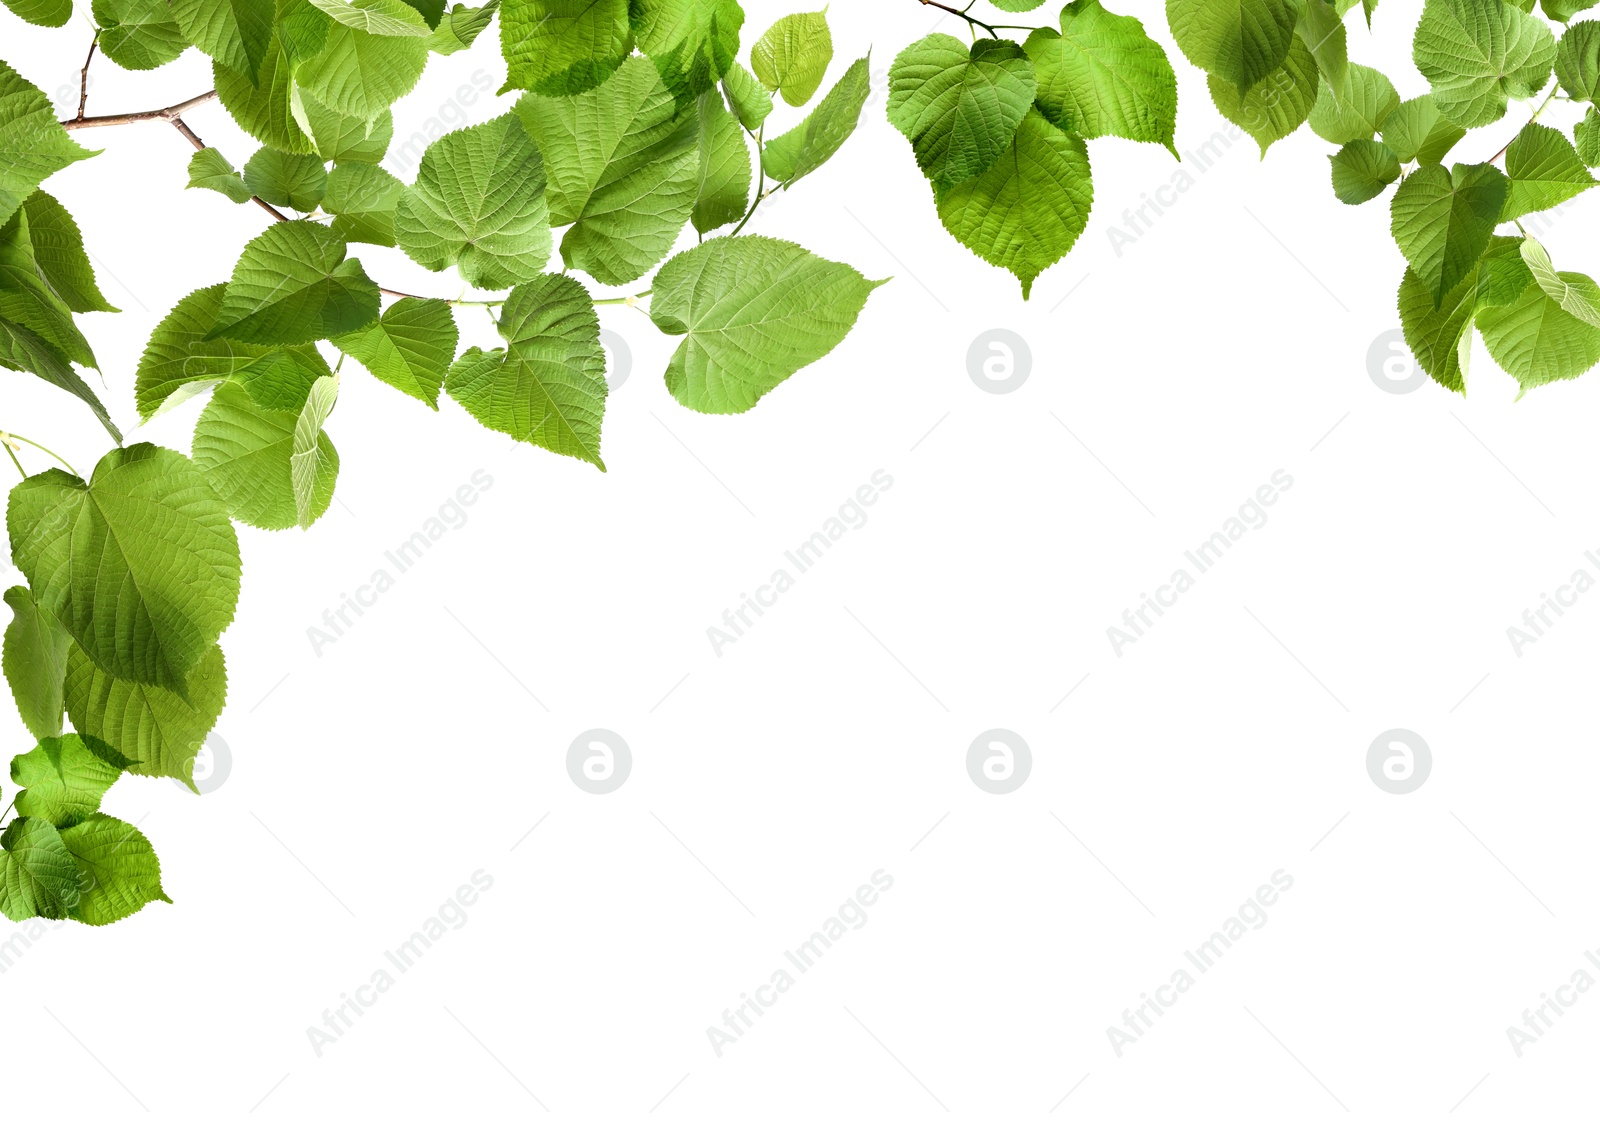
[(1168, 382)]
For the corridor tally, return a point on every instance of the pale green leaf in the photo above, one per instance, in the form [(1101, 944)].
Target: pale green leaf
[(1477, 53), (363, 198), (140, 564), (35, 662), (361, 75), (33, 145), (793, 54), (1545, 171), (723, 190), (117, 868), (286, 179), (377, 17), (1277, 105), (1356, 112), (563, 46), (1416, 130), (752, 312), (1322, 30), (26, 296), (1362, 169), (1578, 61), (209, 169), (1563, 10), (292, 285), (244, 449), (345, 140), (1536, 341), (410, 347), (313, 462), (747, 97), (1236, 42), (60, 257), (1571, 299), (38, 877), (959, 109), (42, 13), (138, 34), (1586, 138), (24, 350), (1442, 220), (236, 33), (64, 778), (691, 42), (460, 27), (810, 144), (264, 109)]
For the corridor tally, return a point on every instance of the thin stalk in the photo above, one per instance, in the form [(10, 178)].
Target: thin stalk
[(12, 453), (8, 438), (1550, 97), (635, 299), (83, 85)]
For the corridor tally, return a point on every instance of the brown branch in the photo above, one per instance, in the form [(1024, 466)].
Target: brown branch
[(168, 114), (83, 85)]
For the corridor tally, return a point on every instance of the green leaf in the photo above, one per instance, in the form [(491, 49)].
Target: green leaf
[(161, 730), (547, 387), (264, 110), (181, 354), (59, 255), (1024, 213), (244, 449), (292, 285), (1563, 10), (33, 145), (23, 350), (1545, 171), (410, 348), (117, 868), (286, 179), (623, 168), (479, 202), (138, 34), (723, 190), (377, 17), (35, 662), (1416, 130), (1362, 169), (43, 13), (691, 42), (747, 97), (26, 297), (313, 462), (1321, 29), (1477, 53), (1236, 42), (1017, 5), (209, 169), (346, 140), (1277, 105), (1103, 76), (302, 30), (432, 11), (563, 46), (364, 198), (1586, 135), (140, 564), (958, 109), (65, 777), (38, 878), (752, 312), (793, 55), (460, 27), (361, 75), (236, 33), (810, 144), (1435, 331), (1569, 298), (1356, 112), (1536, 341), (1578, 61), (1442, 220)]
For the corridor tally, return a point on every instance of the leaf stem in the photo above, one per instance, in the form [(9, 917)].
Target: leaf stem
[(993, 29), (12, 453), (83, 85), (447, 300), (1550, 97), (633, 300), (761, 187), (7, 438)]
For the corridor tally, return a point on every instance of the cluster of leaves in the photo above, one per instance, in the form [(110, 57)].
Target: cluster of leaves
[(635, 120), (1289, 59), (998, 127)]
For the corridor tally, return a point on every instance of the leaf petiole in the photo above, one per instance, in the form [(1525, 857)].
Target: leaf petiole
[(7, 438)]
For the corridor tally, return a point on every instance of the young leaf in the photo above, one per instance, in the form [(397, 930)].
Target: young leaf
[(623, 168), (292, 285), (26, 297), (117, 868), (563, 46), (1569, 298), (723, 190), (1277, 105), (809, 145), (313, 462), (65, 777), (1442, 220), (1321, 29), (1544, 170), (548, 386), (1024, 213), (162, 731), (209, 169), (38, 878), (359, 74), (460, 27), (1358, 110), (1536, 341), (1416, 130), (1236, 42), (1103, 76), (1362, 169), (23, 350), (960, 109), (793, 55), (33, 145), (1563, 10), (377, 17), (42, 13), (244, 449), (1578, 61), (479, 202), (236, 33), (410, 347), (346, 140), (138, 34), (140, 564), (1586, 138), (35, 662), (264, 108), (746, 97), (287, 180), (364, 198), (691, 42), (752, 312), (59, 255), (1477, 53)]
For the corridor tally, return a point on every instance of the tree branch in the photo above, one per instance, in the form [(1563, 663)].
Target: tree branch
[(168, 114), (83, 85)]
